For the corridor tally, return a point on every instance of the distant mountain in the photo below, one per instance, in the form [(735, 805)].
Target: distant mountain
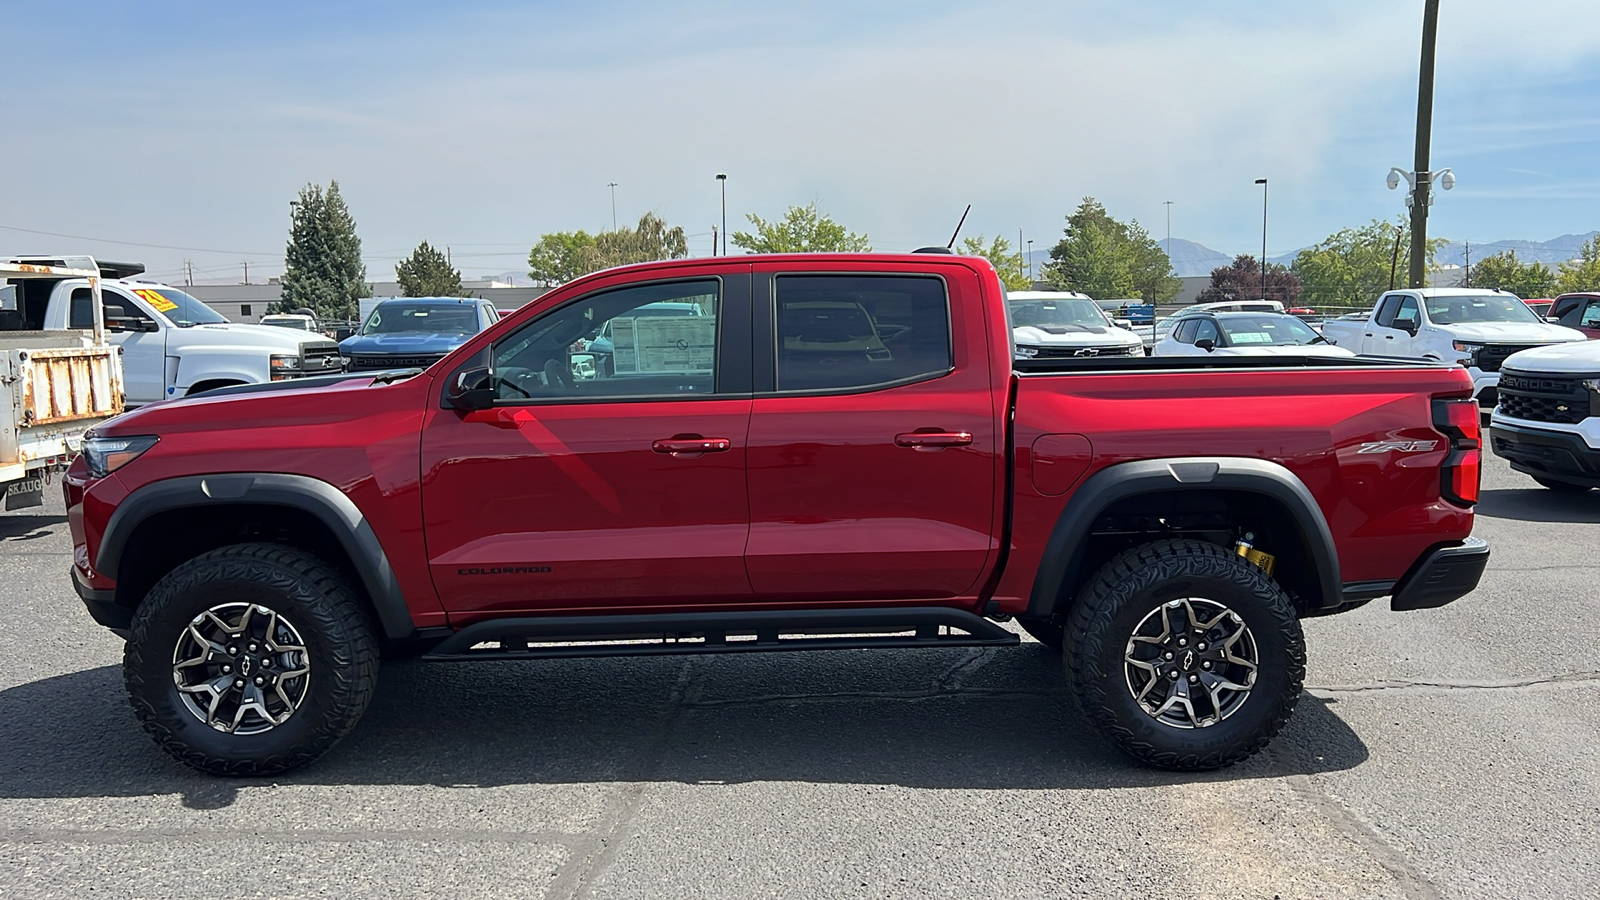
[(1190, 259), (1552, 252)]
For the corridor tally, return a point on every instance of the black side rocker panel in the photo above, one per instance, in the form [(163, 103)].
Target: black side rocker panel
[(1063, 555), (659, 634), (318, 498)]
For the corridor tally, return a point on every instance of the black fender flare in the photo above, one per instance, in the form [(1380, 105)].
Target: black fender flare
[(1063, 559), (319, 498)]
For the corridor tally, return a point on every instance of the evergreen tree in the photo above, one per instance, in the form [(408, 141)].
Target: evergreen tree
[(322, 265), (1583, 273), (427, 273), (1109, 260)]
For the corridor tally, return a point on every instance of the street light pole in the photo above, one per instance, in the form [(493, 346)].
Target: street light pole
[(1263, 183), (613, 186), (1424, 181), (1169, 229), (723, 180), (1030, 263)]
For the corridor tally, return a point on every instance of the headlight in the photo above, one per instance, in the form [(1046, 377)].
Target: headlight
[(105, 455), (1027, 352), (283, 365), (1470, 351)]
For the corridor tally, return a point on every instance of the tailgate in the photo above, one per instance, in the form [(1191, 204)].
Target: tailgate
[(66, 384)]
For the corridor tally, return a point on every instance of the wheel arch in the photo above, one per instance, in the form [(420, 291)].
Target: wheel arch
[(328, 522), (1259, 484)]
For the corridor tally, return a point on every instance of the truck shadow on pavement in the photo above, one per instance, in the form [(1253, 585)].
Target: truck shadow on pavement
[(28, 527), (973, 719), (1540, 505)]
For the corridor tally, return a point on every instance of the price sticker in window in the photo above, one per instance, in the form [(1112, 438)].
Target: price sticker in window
[(154, 298)]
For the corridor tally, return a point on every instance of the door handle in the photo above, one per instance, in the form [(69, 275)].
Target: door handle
[(1388, 337), (933, 440), (1370, 334), (690, 445)]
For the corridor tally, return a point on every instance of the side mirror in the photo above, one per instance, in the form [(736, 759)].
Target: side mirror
[(146, 325), (470, 389), (1206, 344), (1553, 320), (1122, 323)]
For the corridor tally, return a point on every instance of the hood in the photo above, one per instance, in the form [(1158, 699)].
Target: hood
[(1074, 336), (1512, 333), (1562, 359), (1281, 350), (229, 334), (404, 343)]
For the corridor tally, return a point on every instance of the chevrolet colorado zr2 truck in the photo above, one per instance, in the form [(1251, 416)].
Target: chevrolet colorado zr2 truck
[(838, 452)]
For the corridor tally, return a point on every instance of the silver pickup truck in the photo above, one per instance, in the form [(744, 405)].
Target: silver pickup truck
[(54, 385)]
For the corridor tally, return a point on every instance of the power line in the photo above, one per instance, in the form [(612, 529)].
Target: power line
[(79, 237)]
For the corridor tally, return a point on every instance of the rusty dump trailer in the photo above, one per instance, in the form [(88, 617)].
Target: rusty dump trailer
[(54, 385)]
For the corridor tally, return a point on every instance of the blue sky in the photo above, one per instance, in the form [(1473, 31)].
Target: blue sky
[(481, 125)]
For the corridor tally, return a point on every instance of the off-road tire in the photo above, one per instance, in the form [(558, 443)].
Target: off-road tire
[(1565, 487), (339, 642), (1141, 580), (1046, 631)]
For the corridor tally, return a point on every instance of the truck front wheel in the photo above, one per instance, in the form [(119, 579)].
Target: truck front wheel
[(252, 659), (1184, 655)]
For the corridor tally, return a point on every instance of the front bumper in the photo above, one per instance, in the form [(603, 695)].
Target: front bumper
[(103, 606), (1445, 574), (1561, 455)]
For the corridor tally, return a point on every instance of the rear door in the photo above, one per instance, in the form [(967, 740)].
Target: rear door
[(1582, 313), (874, 450), (583, 489)]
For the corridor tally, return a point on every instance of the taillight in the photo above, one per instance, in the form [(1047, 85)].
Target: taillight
[(1462, 472)]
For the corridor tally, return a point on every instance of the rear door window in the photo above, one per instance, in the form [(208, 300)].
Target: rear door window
[(841, 332)]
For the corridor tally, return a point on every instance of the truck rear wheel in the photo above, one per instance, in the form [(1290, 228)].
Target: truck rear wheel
[(1184, 655), (252, 659)]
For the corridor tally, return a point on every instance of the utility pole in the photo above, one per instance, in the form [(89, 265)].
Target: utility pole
[(1424, 180), (1030, 264), (613, 186), (188, 273), (247, 271), (722, 179), (1469, 264), (1263, 183), (713, 240), (1394, 258), (1169, 229), (1020, 257)]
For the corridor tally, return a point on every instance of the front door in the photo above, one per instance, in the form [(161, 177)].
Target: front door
[(141, 336), (600, 488), (1394, 326), (873, 450)]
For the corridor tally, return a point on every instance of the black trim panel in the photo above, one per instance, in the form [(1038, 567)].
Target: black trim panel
[(1558, 455), (681, 633), (103, 607), (1063, 555), (1446, 573), (318, 498)]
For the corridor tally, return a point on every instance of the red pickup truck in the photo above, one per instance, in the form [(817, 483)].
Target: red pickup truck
[(780, 453)]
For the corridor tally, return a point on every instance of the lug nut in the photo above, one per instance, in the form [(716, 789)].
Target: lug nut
[(227, 669), (1206, 665), (1201, 646), (238, 682), (252, 648), (1183, 642), (232, 650), (1192, 679), (1173, 674), (1169, 654), (259, 680), (266, 661)]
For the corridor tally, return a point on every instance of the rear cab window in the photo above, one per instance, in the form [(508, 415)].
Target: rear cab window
[(851, 332)]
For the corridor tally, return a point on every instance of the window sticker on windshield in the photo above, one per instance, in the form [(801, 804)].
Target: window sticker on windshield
[(1251, 337), (663, 345), (155, 299)]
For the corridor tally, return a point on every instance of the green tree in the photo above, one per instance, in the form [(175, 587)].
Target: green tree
[(322, 269), (562, 256), (427, 273), (1351, 267), (1583, 273), (1006, 263), (1109, 260), (559, 257), (1504, 272), (803, 229)]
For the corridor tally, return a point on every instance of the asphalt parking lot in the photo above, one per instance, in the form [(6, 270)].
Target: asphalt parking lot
[(1447, 753)]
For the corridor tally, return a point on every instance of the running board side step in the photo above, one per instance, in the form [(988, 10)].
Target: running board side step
[(663, 634)]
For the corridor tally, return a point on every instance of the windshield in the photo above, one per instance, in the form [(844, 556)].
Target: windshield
[(180, 309), (1267, 330), (1462, 310), (1065, 311), (416, 318), (301, 324)]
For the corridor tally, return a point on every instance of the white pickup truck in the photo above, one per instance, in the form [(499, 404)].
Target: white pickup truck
[(54, 385), (172, 344), (1474, 327)]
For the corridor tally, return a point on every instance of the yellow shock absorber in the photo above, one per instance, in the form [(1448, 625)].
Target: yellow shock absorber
[(1246, 549)]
